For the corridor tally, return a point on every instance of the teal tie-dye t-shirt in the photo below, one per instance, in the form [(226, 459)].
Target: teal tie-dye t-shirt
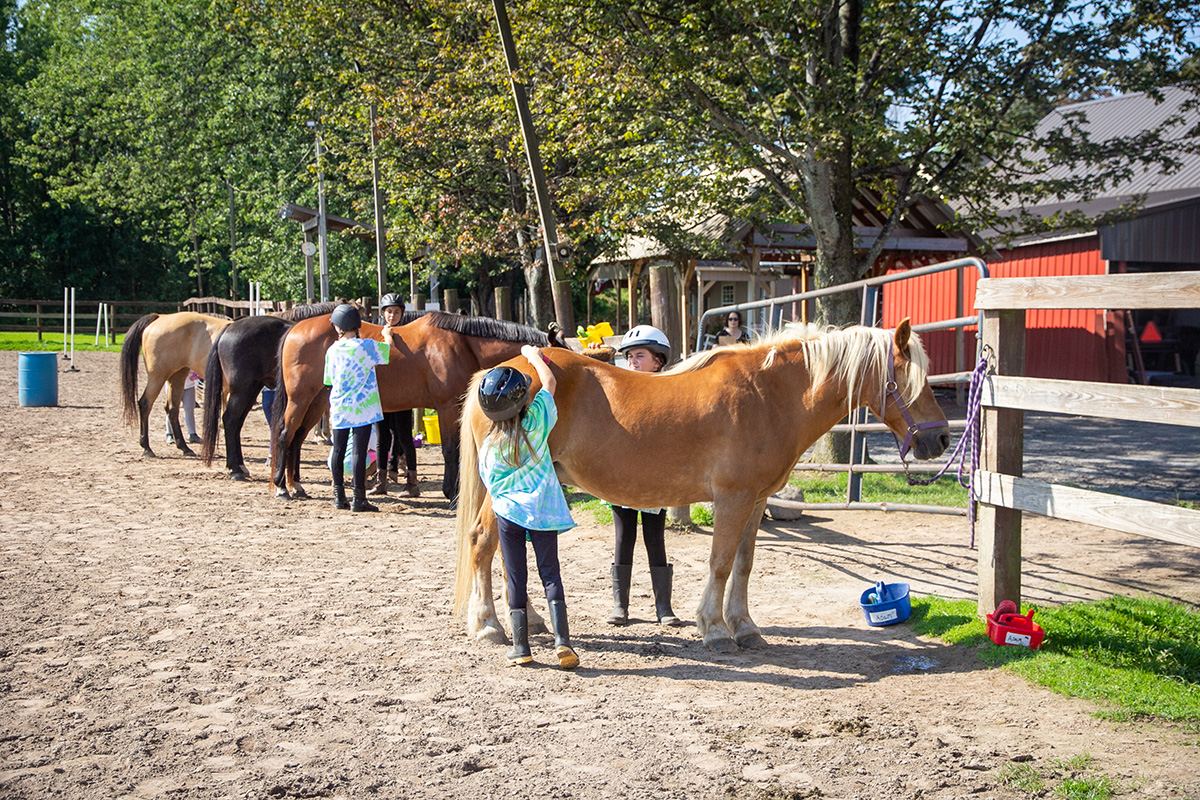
[(528, 494), (350, 374)]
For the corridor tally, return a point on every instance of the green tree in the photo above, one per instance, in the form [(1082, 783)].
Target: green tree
[(829, 103)]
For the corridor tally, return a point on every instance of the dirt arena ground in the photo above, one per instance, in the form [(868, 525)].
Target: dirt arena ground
[(167, 633)]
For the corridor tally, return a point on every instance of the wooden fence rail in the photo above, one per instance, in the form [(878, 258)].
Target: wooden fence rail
[(28, 315), (1003, 493)]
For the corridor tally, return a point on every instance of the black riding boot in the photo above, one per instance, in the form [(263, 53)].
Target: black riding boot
[(567, 658), (339, 496), (360, 500), (660, 580), (519, 653), (622, 576)]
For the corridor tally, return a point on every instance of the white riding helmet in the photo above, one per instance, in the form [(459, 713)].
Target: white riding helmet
[(646, 336)]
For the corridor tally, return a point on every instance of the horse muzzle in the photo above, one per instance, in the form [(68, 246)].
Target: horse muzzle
[(930, 442)]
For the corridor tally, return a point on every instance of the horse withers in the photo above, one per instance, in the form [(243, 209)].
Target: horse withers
[(727, 425), (170, 345)]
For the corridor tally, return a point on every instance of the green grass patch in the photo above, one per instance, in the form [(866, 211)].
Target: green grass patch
[(830, 487), (1072, 779), (1136, 658), (27, 341), (579, 501)]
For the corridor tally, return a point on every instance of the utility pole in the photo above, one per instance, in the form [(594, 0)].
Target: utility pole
[(380, 231), (233, 287), (559, 285), (323, 252)]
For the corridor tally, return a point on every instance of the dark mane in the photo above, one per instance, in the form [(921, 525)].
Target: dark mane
[(411, 316), (487, 328), (304, 312)]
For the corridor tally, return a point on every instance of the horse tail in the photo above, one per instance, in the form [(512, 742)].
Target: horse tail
[(214, 392), (471, 494), (130, 351)]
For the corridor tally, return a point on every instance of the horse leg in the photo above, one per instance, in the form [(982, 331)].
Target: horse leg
[(153, 388), (482, 624), (450, 443), (173, 404), (237, 406), (737, 604), (315, 412), (730, 515)]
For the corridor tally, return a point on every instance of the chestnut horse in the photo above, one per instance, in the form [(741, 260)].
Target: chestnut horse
[(727, 425), (431, 363), (243, 360), (171, 344)]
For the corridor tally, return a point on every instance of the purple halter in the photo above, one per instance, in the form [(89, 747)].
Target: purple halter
[(893, 391)]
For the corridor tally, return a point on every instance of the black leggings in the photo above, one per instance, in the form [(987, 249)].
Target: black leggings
[(545, 552), (362, 440), (396, 427), (653, 531)]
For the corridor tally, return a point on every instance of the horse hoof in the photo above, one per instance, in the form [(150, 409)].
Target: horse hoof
[(491, 635), (538, 626), (237, 476), (282, 494), (148, 453), (721, 644), (186, 451), (299, 494), (750, 641)]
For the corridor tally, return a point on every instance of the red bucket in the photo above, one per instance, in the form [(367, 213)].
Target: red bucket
[(1006, 626)]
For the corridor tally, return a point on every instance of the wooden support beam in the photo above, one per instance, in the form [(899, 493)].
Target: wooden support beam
[(998, 528), (1130, 515), (1133, 290), (1162, 404)]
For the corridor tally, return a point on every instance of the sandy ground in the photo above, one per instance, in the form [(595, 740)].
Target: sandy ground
[(166, 632)]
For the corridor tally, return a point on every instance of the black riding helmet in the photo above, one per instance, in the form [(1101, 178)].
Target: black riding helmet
[(346, 317), (502, 393), (389, 300)]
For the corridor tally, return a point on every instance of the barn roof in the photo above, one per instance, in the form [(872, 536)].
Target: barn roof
[(1125, 116)]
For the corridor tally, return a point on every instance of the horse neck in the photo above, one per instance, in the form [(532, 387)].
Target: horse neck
[(490, 352)]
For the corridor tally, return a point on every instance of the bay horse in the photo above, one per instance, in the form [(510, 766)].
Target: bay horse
[(243, 360), (170, 345), (727, 425), (431, 363)]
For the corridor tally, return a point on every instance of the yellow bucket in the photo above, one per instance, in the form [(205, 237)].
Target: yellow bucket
[(433, 432)]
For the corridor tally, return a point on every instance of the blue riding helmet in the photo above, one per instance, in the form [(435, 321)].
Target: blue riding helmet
[(502, 393), (346, 317)]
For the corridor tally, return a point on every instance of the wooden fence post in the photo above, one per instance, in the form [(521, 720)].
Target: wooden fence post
[(998, 529), (450, 301), (503, 302)]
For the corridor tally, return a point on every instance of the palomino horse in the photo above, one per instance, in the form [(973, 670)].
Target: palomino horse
[(171, 344), (243, 360), (432, 361), (727, 426)]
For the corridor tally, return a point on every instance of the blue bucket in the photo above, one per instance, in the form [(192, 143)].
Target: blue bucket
[(37, 379), (886, 603)]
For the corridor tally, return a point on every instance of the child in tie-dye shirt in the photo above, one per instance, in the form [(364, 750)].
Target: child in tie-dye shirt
[(353, 400)]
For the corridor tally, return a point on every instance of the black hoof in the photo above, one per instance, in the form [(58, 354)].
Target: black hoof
[(148, 453), (237, 476), (299, 494)]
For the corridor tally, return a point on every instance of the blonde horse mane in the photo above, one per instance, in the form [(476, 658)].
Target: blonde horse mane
[(839, 354)]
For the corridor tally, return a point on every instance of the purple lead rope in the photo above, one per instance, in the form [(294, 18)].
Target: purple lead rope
[(969, 440)]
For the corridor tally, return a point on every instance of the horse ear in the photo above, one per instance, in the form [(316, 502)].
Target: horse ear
[(903, 333)]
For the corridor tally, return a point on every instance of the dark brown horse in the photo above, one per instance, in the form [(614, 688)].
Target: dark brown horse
[(170, 344), (432, 361), (243, 360), (726, 426)]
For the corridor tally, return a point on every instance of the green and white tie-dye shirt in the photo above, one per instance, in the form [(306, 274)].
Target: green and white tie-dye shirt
[(529, 494), (350, 372)]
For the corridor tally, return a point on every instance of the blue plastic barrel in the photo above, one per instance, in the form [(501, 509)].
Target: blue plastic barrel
[(37, 379)]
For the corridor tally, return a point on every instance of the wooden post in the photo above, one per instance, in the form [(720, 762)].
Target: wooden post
[(418, 302), (999, 529), (450, 301), (503, 296), (38, 317)]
